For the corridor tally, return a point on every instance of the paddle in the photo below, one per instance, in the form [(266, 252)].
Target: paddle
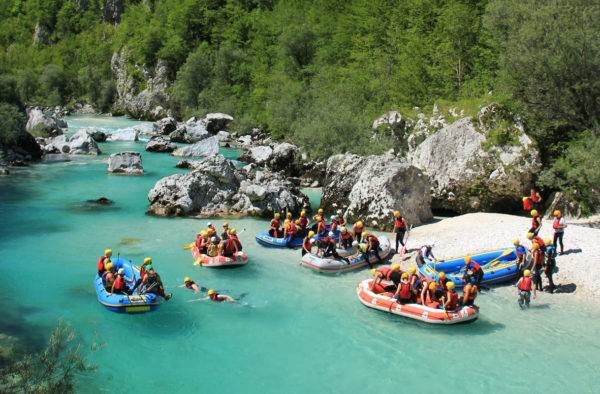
[(497, 261), (186, 247), (444, 308), (403, 250)]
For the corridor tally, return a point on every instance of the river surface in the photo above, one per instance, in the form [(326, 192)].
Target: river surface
[(295, 332)]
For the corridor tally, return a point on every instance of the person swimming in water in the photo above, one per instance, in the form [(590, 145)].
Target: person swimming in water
[(216, 297)]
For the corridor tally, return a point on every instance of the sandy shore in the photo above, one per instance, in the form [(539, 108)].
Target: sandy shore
[(477, 232)]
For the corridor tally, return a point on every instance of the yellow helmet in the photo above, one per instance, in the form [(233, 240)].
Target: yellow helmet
[(441, 275), (359, 223), (211, 292), (396, 213), (297, 221), (311, 234), (535, 246), (203, 233), (373, 271), (233, 231), (526, 273), (109, 266), (450, 285), (186, 279), (225, 224), (302, 213), (147, 260), (289, 214), (412, 270), (433, 286), (320, 210), (529, 235), (277, 216), (404, 275), (343, 229), (210, 231), (516, 242), (396, 267), (547, 241), (525, 198), (364, 234), (108, 252), (534, 212), (557, 213), (286, 221), (468, 259)]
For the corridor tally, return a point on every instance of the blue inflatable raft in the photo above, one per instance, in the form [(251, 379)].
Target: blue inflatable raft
[(497, 265), (266, 240), (122, 303)]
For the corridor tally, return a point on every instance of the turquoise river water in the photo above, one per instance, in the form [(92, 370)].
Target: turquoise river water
[(299, 332)]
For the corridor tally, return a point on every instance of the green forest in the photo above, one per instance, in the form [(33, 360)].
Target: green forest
[(318, 72)]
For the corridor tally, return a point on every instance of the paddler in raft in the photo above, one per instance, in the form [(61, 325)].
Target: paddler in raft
[(357, 230), (302, 223), (361, 249), (227, 247), (327, 248), (289, 232), (307, 243), (428, 295), (225, 230), (450, 298), (234, 237), (103, 260), (385, 273), (153, 284), (120, 284), (274, 226), (108, 277), (372, 245), (346, 240), (475, 269), (469, 290), (340, 216), (404, 293)]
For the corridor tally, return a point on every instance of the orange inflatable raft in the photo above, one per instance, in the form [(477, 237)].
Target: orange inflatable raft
[(381, 300), (237, 260)]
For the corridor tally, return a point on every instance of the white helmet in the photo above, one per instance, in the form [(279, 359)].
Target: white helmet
[(333, 217), (121, 271), (312, 240), (355, 243), (209, 224), (339, 211), (331, 233), (213, 239)]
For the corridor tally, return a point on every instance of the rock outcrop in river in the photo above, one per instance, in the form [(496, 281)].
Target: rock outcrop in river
[(41, 124), (216, 188), (128, 162), (80, 143), (371, 188)]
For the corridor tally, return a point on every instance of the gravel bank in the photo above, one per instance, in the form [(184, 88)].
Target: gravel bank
[(477, 232)]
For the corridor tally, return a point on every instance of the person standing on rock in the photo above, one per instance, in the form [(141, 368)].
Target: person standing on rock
[(400, 227), (425, 251), (536, 199), (536, 222), (559, 226), (274, 229)]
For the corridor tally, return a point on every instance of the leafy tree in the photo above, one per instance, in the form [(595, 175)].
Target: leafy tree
[(12, 122), (52, 84), (193, 77), (26, 84)]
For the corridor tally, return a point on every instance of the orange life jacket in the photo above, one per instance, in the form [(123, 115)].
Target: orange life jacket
[(525, 284), (453, 297), (386, 272), (405, 293)]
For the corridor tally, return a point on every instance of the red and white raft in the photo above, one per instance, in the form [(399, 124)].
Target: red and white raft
[(386, 303), (237, 260)]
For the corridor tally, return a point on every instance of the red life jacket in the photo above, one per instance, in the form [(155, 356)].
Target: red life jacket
[(213, 297), (101, 263), (428, 296), (189, 284), (236, 240), (386, 272), (306, 243), (291, 228), (229, 245), (527, 204), (399, 223), (442, 283), (405, 293), (357, 229), (539, 241), (474, 266), (525, 284), (537, 257), (119, 283), (453, 297), (303, 220), (274, 223), (321, 225), (372, 239), (346, 235), (333, 226), (556, 224), (534, 221)]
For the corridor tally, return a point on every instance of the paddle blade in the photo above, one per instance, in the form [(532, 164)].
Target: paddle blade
[(197, 262), (186, 247)]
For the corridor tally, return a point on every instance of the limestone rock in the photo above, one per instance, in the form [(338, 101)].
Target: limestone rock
[(125, 135), (466, 177), (217, 188), (190, 132), (371, 188), (165, 126), (223, 136), (568, 207), (97, 135), (80, 143), (207, 147), (259, 155), (4, 171), (112, 10), (217, 122), (41, 124), (41, 34), (128, 162), (159, 144), (244, 141)]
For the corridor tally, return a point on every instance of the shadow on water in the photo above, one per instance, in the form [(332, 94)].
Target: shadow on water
[(17, 333)]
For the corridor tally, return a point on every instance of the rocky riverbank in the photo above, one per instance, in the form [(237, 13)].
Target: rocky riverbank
[(578, 267)]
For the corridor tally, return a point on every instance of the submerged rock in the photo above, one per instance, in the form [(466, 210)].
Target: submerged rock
[(372, 188), (217, 188), (207, 147), (101, 201), (125, 162)]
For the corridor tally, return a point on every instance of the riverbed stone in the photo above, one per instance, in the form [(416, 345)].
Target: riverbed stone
[(125, 135), (207, 147), (127, 162), (165, 126), (80, 143), (40, 124), (159, 144), (217, 121)]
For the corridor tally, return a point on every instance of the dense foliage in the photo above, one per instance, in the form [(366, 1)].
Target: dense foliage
[(318, 72)]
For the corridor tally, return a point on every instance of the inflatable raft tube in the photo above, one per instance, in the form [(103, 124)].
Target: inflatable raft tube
[(498, 266), (332, 266), (386, 303), (238, 259), (122, 303), (266, 240)]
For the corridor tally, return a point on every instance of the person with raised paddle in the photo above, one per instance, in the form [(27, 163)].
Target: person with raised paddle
[(524, 289)]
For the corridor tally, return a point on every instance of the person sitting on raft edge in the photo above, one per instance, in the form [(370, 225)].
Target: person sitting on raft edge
[(385, 273), (153, 284), (103, 260), (469, 290), (404, 294)]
